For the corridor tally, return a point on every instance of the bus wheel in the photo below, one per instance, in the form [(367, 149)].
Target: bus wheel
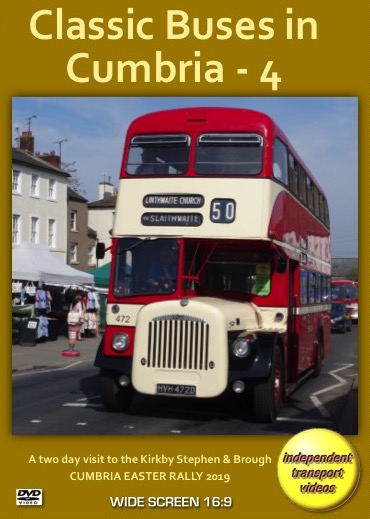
[(268, 397), (115, 398)]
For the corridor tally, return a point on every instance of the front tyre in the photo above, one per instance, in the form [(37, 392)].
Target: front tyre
[(115, 397), (268, 397)]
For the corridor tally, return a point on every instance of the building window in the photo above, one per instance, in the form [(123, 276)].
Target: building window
[(34, 238), (73, 253), (52, 189), (16, 229), (91, 256), (73, 220), (51, 233), (35, 181), (16, 182)]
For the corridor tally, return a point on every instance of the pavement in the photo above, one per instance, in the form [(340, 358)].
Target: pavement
[(49, 354)]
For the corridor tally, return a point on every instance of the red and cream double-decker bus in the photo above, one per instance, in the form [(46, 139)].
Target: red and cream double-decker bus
[(220, 273), (346, 291)]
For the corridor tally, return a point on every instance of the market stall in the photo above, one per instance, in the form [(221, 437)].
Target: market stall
[(43, 283)]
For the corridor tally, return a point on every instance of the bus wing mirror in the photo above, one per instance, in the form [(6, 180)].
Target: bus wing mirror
[(281, 265), (100, 250)]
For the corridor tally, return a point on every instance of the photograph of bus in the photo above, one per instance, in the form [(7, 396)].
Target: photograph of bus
[(221, 263)]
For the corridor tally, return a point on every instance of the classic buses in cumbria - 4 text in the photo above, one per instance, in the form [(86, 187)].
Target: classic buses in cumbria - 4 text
[(220, 263)]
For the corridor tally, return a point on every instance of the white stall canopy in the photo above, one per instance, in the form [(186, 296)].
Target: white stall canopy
[(35, 262)]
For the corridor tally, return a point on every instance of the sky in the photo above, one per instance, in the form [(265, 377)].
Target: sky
[(323, 130)]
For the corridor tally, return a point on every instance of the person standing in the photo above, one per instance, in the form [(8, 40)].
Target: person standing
[(75, 319), (91, 314)]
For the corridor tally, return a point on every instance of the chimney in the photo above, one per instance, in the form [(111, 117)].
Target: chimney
[(51, 158), (27, 142)]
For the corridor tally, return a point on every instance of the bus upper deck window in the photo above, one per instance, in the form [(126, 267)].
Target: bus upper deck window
[(229, 154), (158, 154)]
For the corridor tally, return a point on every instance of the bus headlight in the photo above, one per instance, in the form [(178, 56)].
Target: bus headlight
[(120, 342), (242, 346)]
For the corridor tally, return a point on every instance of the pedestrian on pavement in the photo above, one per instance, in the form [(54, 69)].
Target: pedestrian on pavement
[(75, 320)]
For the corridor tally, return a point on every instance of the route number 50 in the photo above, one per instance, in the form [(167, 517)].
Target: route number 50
[(223, 210)]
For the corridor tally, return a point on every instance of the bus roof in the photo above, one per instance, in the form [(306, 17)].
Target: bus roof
[(215, 119), (237, 119)]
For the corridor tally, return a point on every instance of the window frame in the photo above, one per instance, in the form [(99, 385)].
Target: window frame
[(34, 229), (35, 185), (51, 243), (73, 220), (91, 255), (16, 229), (52, 185), (73, 252), (18, 182)]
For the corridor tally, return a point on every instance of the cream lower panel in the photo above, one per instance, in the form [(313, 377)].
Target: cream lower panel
[(126, 316), (312, 309), (253, 201), (274, 318), (177, 377), (181, 345)]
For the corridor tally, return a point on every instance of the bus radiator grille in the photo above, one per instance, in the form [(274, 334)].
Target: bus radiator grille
[(178, 343)]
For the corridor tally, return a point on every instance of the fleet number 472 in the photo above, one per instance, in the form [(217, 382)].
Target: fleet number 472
[(123, 319)]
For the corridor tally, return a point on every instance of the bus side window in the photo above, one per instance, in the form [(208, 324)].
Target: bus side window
[(280, 162), (293, 175), (302, 184), (316, 205), (309, 189), (311, 287), (304, 287)]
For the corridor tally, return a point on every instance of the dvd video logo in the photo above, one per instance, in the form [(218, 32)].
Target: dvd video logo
[(29, 496)]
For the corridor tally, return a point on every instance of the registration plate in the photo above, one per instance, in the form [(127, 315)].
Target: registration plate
[(176, 389)]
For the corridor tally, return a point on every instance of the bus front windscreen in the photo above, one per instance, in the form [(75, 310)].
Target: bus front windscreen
[(145, 267), (343, 292), (229, 154), (158, 154)]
